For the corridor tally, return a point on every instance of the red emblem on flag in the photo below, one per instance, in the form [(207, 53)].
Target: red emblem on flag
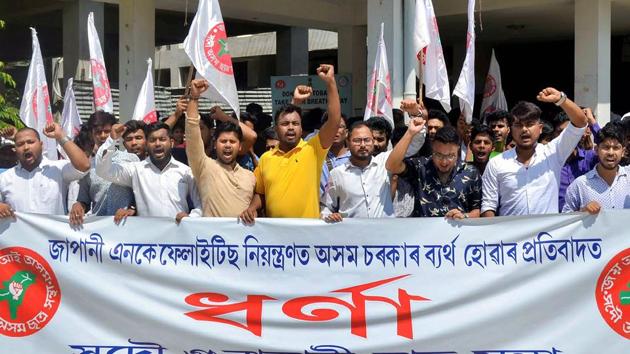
[(102, 92), (215, 46), (151, 117), (46, 99)]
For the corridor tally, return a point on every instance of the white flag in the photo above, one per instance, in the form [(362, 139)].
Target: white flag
[(145, 105), (428, 49), (102, 93), (465, 88), (70, 119), (207, 48), (379, 97), (35, 109), (493, 96)]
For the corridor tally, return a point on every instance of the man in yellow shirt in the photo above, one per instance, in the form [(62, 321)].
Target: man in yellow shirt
[(287, 177)]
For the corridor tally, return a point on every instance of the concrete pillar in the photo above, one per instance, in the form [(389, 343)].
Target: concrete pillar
[(592, 56), (292, 51), (352, 58), (391, 14), (136, 43), (76, 52)]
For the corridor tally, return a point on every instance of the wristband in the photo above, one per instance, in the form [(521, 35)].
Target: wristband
[(63, 141), (419, 115), (563, 98)]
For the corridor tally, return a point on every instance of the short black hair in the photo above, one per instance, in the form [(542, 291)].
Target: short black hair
[(132, 126), (228, 127), (399, 117), (524, 111), (357, 125), (153, 127), (614, 131), (207, 120), (253, 108), (100, 118), (498, 115), (478, 129), (344, 118), (440, 115), (270, 133), (560, 118), (548, 132), (380, 124), (29, 129), (248, 117), (84, 139), (286, 109), (447, 135)]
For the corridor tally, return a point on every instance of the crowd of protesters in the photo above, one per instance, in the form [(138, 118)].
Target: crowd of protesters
[(322, 164)]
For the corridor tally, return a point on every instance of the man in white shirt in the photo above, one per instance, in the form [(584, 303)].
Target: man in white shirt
[(360, 188), (161, 185), (526, 179), (36, 184)]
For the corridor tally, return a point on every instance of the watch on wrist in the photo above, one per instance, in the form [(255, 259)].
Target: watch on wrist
[(63, 141), (563, 98)]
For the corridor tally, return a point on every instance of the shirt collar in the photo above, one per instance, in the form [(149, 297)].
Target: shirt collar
[(171, 163), (299, 146), (621, 171), (43, 163)]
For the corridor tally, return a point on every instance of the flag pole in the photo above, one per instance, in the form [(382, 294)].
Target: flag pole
[(191, 73)]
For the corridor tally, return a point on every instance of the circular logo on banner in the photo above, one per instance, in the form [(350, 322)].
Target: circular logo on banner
[(343, 81), (280, 84), (613, 293), (215, 46), (29, 292), (491, 86), (100, 82), (46, 100)]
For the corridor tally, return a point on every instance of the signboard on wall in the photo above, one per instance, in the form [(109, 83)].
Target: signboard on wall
[(282, 90)]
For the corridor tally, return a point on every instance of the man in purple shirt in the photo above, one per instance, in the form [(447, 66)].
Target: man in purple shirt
[(581, 160)]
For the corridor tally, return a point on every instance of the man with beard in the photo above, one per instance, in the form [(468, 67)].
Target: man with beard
[(288, 176), (481, 145), (96, 195), (382, 132), (225, 188), (161, 184), (436, 121), (360, 188), (606, 186), (526, 179), (36, 184)]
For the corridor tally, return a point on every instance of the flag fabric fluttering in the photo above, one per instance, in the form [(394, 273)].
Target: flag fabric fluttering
[(431, 68), (207, 48), (379, 96), (465, 88), (100, 83), (493, 95), (145, 104), (35, 110), (70, 118)]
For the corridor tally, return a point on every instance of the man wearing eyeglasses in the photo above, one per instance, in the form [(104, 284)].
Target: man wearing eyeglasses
[(361, 187), (526, 179), (444, 184)]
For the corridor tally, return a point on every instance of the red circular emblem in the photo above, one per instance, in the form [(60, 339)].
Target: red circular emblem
[(613, 293), (102, 93), (29, 292), (46, 99), (215, 46), (151, 117), (491, 86), (280, 84)]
